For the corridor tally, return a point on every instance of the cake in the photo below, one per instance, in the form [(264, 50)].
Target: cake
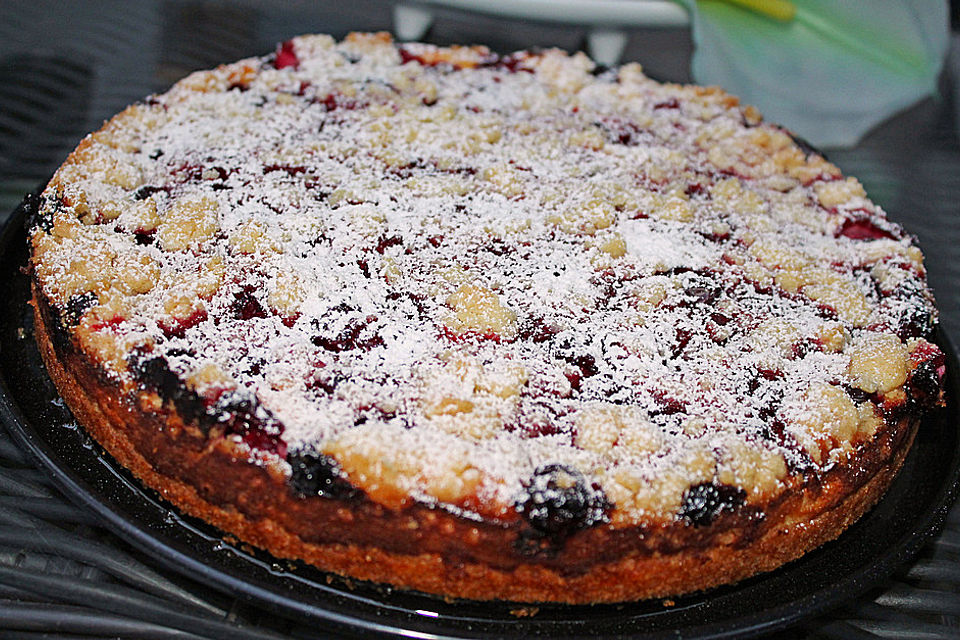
[(488, 327)]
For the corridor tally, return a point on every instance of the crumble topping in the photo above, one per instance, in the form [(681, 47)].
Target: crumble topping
[(484, 282)]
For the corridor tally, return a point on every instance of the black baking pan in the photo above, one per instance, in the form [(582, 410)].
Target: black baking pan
[(30, 408)]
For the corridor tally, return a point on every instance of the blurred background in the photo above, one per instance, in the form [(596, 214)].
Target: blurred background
[(65, 67)]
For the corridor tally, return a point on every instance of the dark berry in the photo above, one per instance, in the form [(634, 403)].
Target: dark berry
[(859, 396), (926, 378), (720, 318), (188, 172), (408, 56), (364, 268), (317, 474), (771, 407), (325, 380), (536, 426), (584, 366), (245, 304), (385, 242), (357, 334), (696, 189), (497, 247), (335, 101), (77, 305), (802, 347), (406, 170), (143, 238), (572, 353), (254, 423), (558, 502), (794, 455), (683, 337), (535, 329), (255, 367), (39, 214), (702, 503), (146, 191), (409, 303), (701, 294), (666, 405), (914, 321), (700, 288), (155, 374), (586, 363)]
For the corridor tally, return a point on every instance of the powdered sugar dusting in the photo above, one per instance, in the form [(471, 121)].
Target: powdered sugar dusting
[(448, 278)]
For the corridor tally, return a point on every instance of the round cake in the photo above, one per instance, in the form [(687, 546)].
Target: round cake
[(490, 327)]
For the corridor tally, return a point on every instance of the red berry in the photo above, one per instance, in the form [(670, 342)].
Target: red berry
[(286, 57)]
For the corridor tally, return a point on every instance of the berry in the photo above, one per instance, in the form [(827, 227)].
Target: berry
[(38, 215), (286, 56), (143, 238), (77, 305), (385, 242), (334, 101), (497, 247), (668, 405), (672, 103), (926, 378), (357, 334), (408, 56), (155, 374), (509, 63), (623, 131), (914, 321), (325, 381), (177, 327), (699, 288), (684, 336), (246, 305), (863, 229), (703, 503), (146, 191), (535, 329), (256, 425), (559, 502), (317, 474), (288, 169)]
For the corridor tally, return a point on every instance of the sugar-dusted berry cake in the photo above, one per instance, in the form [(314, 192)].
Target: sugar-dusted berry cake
[(486, 327)]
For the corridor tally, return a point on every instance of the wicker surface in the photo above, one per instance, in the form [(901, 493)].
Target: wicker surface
[(64, 67)]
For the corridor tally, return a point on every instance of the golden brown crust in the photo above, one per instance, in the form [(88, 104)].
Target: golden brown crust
[(439, 552)]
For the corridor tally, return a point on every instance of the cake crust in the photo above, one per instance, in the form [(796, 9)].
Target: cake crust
[(488, 327)]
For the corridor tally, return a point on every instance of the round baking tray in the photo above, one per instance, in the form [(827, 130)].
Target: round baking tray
[(911, 511)]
